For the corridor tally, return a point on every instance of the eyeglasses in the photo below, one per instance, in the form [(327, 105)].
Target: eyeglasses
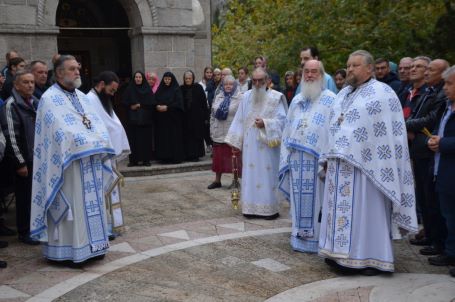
[(258, 80)]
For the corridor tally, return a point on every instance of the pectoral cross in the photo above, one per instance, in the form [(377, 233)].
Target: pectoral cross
[(340, 119), (87, 123)]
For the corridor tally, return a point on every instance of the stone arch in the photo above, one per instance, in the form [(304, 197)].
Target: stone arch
[(140, 13)]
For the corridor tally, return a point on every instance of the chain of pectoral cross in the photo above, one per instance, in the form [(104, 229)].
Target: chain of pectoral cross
[(78, 106), (346, 104)]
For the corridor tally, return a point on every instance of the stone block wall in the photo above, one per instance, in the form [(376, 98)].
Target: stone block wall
[(163, 33)]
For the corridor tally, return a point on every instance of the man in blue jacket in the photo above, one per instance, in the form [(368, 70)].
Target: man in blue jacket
[(443, 144)]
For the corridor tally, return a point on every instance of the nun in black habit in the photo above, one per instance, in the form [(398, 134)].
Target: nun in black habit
[(196, 117), (140, 103), (169, 121)]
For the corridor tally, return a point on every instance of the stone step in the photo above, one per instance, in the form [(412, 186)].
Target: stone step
[(205, 163)]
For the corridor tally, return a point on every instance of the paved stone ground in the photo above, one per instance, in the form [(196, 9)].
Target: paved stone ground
[(185, 243)]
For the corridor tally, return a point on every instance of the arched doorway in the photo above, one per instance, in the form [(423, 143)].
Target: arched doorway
[(96, 32)]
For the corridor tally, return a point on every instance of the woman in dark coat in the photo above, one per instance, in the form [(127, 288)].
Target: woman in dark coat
[(195, 119), (140, 103), (169, 121)]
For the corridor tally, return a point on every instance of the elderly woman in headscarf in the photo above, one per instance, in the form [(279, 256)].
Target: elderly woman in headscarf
[(223, 111), (152, 79), (169, 121), (195, 117), (139, 101)]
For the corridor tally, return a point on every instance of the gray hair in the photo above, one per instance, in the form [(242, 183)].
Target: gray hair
[(20, 73), (260, 69), (448, 72), (423, 58), (60, 62), (367, 57), (228, 78), (289, 73), (321, 67)]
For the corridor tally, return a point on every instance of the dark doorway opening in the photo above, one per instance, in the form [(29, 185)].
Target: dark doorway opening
[(96, 33)]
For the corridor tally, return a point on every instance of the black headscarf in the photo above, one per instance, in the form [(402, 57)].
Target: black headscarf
[(169, 95), (187, 91), (138, 93)]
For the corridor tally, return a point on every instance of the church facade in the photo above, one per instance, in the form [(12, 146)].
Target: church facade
[(119, 35)]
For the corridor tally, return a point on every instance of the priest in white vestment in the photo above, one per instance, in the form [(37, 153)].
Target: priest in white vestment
[(369, 187), (304, 139), (256, 130), (106, 84), (71, 171)]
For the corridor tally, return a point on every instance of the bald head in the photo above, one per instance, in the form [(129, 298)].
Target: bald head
[(404, 69), (260, 77), (433, 75)]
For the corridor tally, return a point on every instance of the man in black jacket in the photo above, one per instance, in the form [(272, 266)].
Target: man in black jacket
[(18, 124), (443, 144), (425, 115), (385, 75)]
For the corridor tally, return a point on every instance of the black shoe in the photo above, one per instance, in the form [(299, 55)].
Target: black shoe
[(5, 231), (430, 251), (131, 164), (441, 260), (3, 244), (330, 262), (369, 271), (3, 264), (28, 240), (272, 217), (250, 216), (214, 185), (420, 242), (99, 257), (147, 164), (452, 272), (112, 237)]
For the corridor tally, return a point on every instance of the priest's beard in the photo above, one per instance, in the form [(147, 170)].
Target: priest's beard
[(106, 102), (259, 95), (73, 84), (311, 90)]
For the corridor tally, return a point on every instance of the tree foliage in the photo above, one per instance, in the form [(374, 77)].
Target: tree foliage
[(278, 29)]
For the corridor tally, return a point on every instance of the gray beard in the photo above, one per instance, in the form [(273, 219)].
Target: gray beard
[(259, 94), (73, 84), (311, 90)]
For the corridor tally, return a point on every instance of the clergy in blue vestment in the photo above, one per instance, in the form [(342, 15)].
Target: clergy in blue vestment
[(71, 171), (369, 187), (256, 130), (304, 138)]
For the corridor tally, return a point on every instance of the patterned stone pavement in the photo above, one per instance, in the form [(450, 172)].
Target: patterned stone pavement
[(185, 243)]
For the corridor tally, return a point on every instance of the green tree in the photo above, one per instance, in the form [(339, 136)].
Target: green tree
[(278, 29)]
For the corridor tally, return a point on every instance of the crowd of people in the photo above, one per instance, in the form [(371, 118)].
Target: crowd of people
[(363, 156)]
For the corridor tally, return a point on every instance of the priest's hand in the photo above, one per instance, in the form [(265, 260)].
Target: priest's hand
[(433, 143), (259, 123), (22, 171)]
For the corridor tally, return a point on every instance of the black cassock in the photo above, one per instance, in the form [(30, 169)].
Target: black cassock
[(169, 124), (195, 120), (140, 121)]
